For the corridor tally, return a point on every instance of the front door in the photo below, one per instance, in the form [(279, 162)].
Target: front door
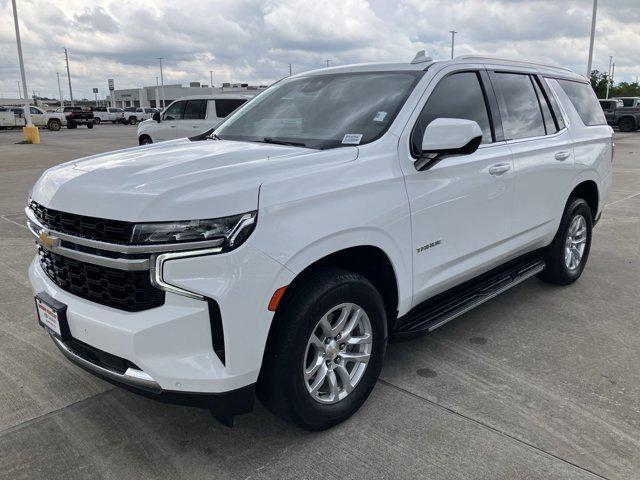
[(168, 128), (461, 206)]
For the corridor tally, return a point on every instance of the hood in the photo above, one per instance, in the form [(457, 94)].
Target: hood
[(175, 180)]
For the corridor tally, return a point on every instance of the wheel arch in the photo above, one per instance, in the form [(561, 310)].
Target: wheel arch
[(588, 191)]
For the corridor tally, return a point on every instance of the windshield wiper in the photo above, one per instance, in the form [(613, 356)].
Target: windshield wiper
[(282, 142)]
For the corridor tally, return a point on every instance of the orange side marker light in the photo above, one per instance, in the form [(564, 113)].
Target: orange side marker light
[(275, 299)]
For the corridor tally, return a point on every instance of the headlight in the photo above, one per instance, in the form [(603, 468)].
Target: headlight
[(231, 231)]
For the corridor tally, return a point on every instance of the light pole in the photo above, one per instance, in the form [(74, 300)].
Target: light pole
[(162, 83), (327, 60), (593, 35), (60, 91), (66, 58), (453, 40), (157, 94), (289, 69), (19, 90), (609, 77), (27, 111), (211, 80)]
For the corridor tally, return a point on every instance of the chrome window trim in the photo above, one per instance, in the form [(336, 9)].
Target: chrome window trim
[(157, 273), (120, 248)]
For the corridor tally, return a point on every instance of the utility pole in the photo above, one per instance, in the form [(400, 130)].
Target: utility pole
[(593, 35), (609, 76), (60, 90), (453, 41), (327, 60), (289, 69), (66, 58), (27, 111), (157, 94), (211, 80), (19, 90), (162, 83)]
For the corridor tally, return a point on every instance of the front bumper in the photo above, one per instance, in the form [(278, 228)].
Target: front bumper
[(172, 345), (223, 406)]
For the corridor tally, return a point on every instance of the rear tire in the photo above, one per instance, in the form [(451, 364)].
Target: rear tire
[(133, 121), (90, 125), (71, 125), (97, 120), (301, 341), (626, 124), (54, 125), (567, 255), (145, 140)]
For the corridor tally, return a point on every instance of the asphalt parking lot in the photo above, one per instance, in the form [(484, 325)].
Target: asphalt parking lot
[(541, 382)]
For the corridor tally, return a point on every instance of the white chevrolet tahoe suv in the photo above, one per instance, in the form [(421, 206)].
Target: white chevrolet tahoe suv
[(189, 116), (338, 210)]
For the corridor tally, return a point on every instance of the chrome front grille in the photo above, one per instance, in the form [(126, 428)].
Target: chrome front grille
[(130, 291), (104, 230)]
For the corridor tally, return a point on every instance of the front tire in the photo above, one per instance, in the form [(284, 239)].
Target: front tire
[(325, 350), (97, 120), (90, 125), (133, 121), (567, 255), (55, 125)]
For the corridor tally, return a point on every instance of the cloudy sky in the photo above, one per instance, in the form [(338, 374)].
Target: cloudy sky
[(254, 41)]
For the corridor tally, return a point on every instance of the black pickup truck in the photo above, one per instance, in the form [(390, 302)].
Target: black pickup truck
[(622, 112), (77, 116)]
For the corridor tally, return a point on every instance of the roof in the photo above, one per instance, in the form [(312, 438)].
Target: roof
[(224, 96), (422, 62)]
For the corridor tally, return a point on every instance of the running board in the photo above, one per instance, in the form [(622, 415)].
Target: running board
[(446, 307)]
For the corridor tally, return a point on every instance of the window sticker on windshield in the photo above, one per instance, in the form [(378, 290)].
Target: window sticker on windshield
[(352, 138), (380, 116)]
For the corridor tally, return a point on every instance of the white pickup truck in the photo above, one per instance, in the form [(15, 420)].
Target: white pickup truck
[(108, 114), (134, 115), (13, 117)]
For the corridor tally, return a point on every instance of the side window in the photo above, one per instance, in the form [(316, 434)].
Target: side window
[(226, 106), (175, 111), (34, 111), (549, 124), (459, 95), (195, 110), (519, 107), (584, 101)]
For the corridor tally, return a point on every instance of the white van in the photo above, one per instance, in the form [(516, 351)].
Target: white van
[(189, 116)]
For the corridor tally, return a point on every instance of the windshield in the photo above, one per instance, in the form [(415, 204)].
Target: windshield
[(323, 111)]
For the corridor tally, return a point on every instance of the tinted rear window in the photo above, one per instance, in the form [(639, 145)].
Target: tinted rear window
[(584, 101), (225, 106), (519, 106)]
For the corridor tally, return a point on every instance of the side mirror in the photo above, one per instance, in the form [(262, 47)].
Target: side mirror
[(156, 116), (448, 136)]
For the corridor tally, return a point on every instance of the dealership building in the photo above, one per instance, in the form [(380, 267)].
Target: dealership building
[(151, 97)]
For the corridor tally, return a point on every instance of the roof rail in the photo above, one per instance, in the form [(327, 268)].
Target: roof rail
[(487, 58)]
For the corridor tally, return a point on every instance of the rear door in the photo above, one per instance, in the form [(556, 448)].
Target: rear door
[(542, 155), (194, 119)]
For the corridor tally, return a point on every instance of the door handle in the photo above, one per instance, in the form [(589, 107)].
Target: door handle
[(562, 156), (500, 169), (173, 126)]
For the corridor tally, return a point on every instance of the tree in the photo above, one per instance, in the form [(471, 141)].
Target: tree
[(625, 89), (599, 82)]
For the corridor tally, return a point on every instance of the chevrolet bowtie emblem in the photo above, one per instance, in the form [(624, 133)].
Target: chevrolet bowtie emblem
[(47, 240)]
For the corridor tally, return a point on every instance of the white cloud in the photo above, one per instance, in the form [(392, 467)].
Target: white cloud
[(254, 41)]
